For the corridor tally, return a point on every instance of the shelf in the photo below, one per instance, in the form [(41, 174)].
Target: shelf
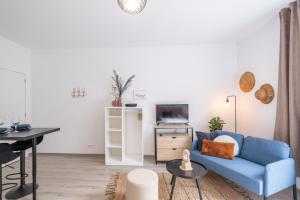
[(172, 126), (134, 160), (114, 146), (114, 117), (123, 136), (115, 159), (114, 130)]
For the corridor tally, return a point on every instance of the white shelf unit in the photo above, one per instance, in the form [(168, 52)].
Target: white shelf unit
[(124, 136)]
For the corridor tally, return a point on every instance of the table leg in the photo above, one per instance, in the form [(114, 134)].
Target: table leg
[(172, 180), (34, 168), (155, 145), (173, 186), (1, 183), (23, 189), (192, 134), (200, 195)]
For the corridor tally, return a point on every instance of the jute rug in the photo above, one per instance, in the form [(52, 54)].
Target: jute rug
[(213, 187)]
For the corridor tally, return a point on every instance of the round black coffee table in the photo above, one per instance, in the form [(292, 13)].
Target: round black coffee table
[(198, 171)]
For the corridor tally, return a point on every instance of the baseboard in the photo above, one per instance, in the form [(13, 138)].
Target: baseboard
[(298, 182)]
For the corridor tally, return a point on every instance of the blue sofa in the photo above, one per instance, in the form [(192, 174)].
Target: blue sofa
[(262, 166)]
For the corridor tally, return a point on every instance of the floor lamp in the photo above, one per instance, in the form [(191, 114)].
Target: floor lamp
[(227, 102)]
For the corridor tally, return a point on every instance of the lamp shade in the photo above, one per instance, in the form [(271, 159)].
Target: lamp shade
[(132, 6)]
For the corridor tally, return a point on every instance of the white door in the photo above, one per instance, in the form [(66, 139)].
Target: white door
[(12, 96)]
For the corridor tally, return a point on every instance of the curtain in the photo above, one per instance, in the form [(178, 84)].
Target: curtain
[(287, 126)]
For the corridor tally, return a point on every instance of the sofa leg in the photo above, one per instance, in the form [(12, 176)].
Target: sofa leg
[(295, 192)]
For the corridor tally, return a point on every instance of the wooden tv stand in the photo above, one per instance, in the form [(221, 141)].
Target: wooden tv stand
[(170, 143)]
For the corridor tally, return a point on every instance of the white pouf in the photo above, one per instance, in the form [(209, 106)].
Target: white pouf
[(142, 184)]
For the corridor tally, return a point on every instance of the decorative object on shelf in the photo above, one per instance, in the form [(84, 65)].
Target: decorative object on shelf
[(131, 105), (247, 81), (118, 88), (139, 94), (265, 94), (117, 103), (186, 164), (140, 116), (132, 6), (215, 124), (78, 92), (228, 104)]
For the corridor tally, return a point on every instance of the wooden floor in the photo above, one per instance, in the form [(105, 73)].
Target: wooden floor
[(84, 177)]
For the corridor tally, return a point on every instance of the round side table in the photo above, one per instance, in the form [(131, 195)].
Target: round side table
[(198, 171)]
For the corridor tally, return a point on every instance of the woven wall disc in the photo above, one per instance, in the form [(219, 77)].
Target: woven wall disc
[(247, 81), (265, 94)]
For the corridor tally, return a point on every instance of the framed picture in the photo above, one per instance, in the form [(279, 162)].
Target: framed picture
[(139, 94)]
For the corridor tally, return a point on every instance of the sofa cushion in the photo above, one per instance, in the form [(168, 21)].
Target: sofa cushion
[(218, 149), (204, 136), (238, 137), (264, 151), (229, 139), (245, 173)]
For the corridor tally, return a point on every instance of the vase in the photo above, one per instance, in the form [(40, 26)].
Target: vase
[(117, 102), (114, 103)]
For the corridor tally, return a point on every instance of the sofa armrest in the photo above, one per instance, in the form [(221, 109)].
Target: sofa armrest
[(195, 145), (279, 175)]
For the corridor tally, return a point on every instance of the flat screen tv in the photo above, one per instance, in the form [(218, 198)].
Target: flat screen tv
[(172, 113)]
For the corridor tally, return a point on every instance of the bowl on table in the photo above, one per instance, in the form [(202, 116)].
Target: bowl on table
[(23, 127), (3, 130)]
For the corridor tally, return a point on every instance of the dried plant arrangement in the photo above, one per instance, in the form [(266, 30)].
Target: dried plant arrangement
[(119, 87)]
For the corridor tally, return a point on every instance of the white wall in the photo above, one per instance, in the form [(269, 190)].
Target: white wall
[(201, 76), (17, 58), (259, 53)]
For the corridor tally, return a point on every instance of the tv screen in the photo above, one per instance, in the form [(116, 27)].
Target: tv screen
[(172, 113)]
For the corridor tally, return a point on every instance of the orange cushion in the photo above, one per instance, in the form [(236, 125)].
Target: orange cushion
[(218, 149)]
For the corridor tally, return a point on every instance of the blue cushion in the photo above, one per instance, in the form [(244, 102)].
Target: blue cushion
[(243, 172), (238, 137), (207, 136), (264, 151)]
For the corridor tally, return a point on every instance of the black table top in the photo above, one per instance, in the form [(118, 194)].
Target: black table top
[(27, 135), (198, 171)]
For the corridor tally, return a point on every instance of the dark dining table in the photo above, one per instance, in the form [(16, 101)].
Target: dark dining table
[(30, 135)]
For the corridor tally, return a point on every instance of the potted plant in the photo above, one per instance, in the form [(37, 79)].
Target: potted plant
[(119, 87), (216, 123)]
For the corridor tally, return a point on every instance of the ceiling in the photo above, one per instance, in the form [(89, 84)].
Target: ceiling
[(54, 24)]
